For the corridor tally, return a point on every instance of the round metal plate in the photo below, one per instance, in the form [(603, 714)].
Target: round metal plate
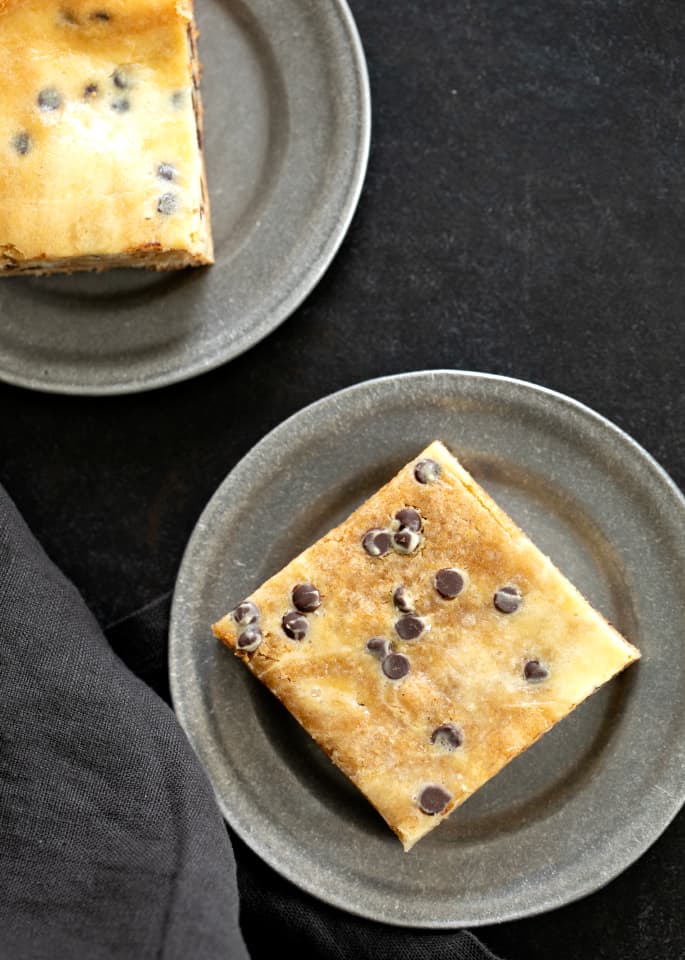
[(564, 817), (287, 126)]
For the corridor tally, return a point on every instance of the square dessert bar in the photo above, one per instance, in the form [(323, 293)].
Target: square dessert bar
[(424, 642), (101, 160)]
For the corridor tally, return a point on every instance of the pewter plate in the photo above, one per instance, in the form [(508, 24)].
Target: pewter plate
[(571, 812), (287, 124)]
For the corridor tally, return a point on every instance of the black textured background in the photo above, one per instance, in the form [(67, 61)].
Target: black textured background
[(523, 214)]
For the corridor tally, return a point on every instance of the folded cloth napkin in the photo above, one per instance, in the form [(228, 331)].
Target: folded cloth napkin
[(111, 842)]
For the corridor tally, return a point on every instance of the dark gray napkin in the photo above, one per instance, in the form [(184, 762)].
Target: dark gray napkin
[(111, 843)]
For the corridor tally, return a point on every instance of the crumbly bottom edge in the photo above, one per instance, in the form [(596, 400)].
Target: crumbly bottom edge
[(149, 260)]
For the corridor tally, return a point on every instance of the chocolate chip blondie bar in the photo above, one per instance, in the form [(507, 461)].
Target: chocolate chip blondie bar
[(101, 152), (424, 642)]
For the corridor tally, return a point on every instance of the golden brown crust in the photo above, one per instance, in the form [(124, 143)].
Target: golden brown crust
[(466, 668), (98, 98)]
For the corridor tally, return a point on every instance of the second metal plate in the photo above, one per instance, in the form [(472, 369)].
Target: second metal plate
[(564, 817)]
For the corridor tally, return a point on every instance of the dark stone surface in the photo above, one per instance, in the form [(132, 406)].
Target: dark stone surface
[(523, 214)]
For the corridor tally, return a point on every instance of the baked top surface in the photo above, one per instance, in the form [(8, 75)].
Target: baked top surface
[(489, 682), (98, 141)]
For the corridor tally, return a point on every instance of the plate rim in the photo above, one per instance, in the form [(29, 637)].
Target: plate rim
[(669, 805), (309, 277)]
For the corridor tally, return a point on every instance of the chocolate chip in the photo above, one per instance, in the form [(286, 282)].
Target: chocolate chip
[(409, 518), (22, 143), (402, 600), (246, 612), (91, 91), (395, 666), (427, 471), (66, 16), (409, 627), (507, 599), (121, 104), (167, 204), (447, 735), (379, 647), (166, 172), (406, 541), (249, 639), (377, 542), (449, 582), (306, 597), (49, 99), (534, 671), (433, 799), (120, 79), (295, 625), (101, 15)]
